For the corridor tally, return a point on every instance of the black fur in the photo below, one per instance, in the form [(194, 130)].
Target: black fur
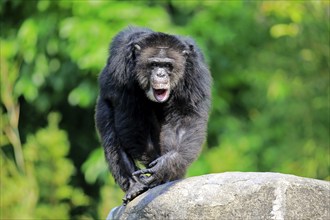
[(165, 137)]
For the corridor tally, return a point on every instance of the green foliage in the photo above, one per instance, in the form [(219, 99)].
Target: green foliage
[(43, 191), (95, 167), (274, 91), (270, 108)]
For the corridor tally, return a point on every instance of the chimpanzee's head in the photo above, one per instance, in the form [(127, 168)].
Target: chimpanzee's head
[(160, 65)]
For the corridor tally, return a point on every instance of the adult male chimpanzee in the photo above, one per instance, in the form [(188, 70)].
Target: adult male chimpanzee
[(153, 108)]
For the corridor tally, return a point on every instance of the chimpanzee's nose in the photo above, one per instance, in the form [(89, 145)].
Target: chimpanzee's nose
[(161, 73)]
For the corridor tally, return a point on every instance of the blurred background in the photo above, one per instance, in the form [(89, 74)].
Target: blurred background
[(270, 108)]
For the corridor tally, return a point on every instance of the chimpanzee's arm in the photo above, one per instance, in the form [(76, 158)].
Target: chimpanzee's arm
[(181, 140), (120, 164)]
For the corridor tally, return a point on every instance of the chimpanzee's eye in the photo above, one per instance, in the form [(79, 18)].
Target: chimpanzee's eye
[(169, 66)]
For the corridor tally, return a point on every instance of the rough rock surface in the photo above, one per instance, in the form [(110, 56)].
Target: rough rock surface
[(232, 195)]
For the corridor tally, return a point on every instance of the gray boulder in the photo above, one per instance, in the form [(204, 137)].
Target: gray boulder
[(232, 195)]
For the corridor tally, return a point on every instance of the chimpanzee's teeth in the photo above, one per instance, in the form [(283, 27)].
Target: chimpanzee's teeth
[(160, 86)]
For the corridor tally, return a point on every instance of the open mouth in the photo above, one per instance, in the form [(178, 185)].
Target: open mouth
[(161, 95)]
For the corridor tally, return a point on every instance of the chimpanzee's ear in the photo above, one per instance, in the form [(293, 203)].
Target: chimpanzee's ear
[(185, 52), (189, 50), (137, 47)]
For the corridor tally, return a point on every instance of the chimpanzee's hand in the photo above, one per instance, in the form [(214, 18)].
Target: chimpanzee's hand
[(136, 189), (154, 175)]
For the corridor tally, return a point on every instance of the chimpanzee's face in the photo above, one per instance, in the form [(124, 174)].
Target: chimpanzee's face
[(159, 69)]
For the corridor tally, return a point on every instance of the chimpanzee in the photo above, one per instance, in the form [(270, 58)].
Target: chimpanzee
[(153, 107)]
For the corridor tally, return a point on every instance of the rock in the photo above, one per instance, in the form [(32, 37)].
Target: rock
[(232, 195)]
